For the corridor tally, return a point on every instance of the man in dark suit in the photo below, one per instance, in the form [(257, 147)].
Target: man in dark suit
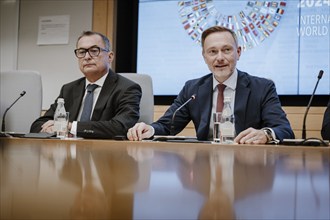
[(116, 99), (326, 123), (259, 117)]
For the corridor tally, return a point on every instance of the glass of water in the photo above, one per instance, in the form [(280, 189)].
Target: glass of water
[(216, 127)]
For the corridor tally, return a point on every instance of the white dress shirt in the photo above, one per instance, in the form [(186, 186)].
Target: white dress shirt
[(229, 91), (96, 94)]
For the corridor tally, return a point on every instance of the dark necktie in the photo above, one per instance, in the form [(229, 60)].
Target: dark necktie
[(88, 105), (221, 88)]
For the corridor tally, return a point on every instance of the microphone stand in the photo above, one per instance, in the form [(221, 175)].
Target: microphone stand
[(3, 126), (309, 105), (173, 116)]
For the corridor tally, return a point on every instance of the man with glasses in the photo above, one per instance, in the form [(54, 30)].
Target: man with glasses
[(102, 104)]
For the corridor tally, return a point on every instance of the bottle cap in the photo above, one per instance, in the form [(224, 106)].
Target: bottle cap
[(60, 100)]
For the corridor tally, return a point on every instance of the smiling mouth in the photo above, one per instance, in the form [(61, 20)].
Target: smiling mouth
[(220, 66)]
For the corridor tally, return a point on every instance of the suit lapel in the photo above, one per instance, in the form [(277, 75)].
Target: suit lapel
[(241, 100), (106, 91), (77, 97), (204, 98)]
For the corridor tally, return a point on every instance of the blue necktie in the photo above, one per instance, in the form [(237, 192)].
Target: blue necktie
[(88, 105)]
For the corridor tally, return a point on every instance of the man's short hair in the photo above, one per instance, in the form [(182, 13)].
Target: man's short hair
[(215, 29), (104, 38)]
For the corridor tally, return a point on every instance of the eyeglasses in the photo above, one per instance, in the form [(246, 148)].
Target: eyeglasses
[(92, 51)]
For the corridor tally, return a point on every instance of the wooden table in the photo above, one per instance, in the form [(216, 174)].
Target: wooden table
[(104, 179)]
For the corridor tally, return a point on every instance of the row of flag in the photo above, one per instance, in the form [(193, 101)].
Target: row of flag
[(252, 24)]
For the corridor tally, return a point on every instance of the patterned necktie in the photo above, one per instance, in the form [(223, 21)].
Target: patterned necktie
[(221, 88), (88, 105)]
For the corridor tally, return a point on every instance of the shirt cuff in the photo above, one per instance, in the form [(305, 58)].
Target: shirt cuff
[(153, 132), (74, 128)]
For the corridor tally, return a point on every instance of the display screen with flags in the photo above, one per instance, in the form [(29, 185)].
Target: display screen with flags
[(286, 41)]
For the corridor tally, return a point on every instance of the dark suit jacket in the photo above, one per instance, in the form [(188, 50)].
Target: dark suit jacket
[(116, 110), (326, 123), (256, 105)]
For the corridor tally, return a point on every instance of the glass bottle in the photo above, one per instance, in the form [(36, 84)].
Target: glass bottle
[(60, 119), (227, 124)]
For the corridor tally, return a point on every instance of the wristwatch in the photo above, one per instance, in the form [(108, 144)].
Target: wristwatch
[(268, 134)]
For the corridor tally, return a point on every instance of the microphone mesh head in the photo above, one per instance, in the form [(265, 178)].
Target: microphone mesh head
[(320, 74)]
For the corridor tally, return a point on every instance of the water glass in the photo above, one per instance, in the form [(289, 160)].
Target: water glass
[(216, 127)]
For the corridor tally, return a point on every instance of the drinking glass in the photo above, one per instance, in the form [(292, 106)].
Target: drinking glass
[(216, 127)]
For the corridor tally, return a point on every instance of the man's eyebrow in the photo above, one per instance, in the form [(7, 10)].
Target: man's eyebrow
[(88, 48)]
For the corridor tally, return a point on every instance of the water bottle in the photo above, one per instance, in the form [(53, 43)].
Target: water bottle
[(60, 119), (227, 124)]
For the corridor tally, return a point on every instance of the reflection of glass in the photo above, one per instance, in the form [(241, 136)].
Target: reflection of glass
[(90, 202), (143, 156), (238, 176), (219, 204), (167, 195), (140, 154)]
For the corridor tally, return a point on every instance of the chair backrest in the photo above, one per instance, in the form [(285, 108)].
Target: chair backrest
[(147, 99), (28, 108)]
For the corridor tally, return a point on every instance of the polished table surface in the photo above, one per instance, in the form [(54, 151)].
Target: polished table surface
[(104, 179)]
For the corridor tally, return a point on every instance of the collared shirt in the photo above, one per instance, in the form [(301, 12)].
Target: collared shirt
[(229, 91), (96, 93)]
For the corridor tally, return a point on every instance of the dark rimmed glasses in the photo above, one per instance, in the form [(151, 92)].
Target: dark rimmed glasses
[(92, 51)]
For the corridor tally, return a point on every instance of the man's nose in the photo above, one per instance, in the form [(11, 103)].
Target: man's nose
[(219, 56), (87, 55)]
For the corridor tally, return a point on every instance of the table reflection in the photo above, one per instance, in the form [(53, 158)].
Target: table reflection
[(219, 177), (90, 200), (304, 177), (89, 179), (67, 181)]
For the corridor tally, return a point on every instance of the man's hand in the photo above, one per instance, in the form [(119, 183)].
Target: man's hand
[(140, 131), (251, 136), (48, 127)]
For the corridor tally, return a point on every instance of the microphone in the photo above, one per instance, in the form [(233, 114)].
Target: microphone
[(3, 126), (309, 105), (178, 109)]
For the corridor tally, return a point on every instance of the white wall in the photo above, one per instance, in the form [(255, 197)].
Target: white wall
[(56, 63), (9, 10)]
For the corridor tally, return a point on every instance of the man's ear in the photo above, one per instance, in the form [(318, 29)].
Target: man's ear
[(204, 57), (239, 52), (111, 56)]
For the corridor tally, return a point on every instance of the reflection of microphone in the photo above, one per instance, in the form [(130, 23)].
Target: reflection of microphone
[(3, 127), (309, 105), (173, 117)]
